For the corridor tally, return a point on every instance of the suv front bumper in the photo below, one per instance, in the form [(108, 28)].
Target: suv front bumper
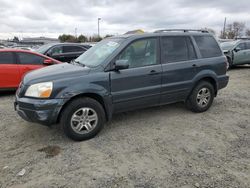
[(42, 111)]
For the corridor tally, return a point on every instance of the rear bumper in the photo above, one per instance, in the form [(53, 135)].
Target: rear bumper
[(39, 111), (223, 81)]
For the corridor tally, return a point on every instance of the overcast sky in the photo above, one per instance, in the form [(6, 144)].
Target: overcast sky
[(53, 17)]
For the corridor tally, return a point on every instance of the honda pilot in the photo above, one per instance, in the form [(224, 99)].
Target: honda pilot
[(124, 73)]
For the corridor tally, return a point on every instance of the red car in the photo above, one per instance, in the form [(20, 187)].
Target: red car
[(15, 63)]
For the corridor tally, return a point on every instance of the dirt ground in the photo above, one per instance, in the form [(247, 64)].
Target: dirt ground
[(166, 146)]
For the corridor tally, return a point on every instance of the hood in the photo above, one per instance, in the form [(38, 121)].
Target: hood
[(54, 72)]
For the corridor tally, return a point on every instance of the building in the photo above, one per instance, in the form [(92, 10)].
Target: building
[(38, 41)]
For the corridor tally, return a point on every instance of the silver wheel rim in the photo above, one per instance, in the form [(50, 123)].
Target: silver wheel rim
[(84, 120), (203, 97)]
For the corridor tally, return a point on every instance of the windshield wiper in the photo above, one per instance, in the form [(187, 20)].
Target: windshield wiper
[(77, 62)]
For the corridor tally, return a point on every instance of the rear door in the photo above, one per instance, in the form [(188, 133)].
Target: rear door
[(179, 62), (28, 62), (9, 72), (139, 85), (71, 52), (56, 52)]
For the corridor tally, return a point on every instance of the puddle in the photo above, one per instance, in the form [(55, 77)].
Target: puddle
[(50, 151)]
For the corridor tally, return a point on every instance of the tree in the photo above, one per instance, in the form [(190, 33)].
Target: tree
[(234, 30), (67, 38), (15, 39), (248, 32), (82, 38), (95, 38)]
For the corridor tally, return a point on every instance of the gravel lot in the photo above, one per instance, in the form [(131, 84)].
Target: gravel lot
[(166, 146)]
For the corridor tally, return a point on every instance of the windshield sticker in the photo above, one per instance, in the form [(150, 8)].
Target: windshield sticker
[(112, 43)]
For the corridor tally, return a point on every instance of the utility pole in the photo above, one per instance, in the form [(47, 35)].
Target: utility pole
[(224, 28), (76, 32), (99, 27)]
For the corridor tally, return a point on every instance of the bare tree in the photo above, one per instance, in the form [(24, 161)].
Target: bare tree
[(248, 32), (235, 30)]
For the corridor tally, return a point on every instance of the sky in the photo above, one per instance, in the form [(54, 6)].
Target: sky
[(50, 18)]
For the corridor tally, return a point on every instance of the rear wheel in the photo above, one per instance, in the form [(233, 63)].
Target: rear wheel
[(82, 119), (201, 97)]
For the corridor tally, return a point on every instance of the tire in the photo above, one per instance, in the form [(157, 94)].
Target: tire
[(197, 102), (82, 119)]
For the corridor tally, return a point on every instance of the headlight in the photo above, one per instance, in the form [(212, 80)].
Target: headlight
[(41, 90)]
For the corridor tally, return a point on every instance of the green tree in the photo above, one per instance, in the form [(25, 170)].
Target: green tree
[(82, 38), (15, 39), (67, 38)]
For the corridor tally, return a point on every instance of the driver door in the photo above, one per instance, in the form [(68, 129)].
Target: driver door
[(240, 57), (139, 85)]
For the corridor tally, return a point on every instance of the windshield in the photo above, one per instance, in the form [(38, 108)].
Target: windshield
[(44, 48), (228, 45), (99, 53)]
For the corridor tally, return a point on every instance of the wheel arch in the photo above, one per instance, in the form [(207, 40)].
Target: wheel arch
[(94, 96), (207, 78)]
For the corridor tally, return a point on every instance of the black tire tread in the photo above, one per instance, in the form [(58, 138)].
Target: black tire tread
[(76, 103), (191, 101)]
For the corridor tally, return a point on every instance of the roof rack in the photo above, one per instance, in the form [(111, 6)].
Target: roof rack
[(181, 30)]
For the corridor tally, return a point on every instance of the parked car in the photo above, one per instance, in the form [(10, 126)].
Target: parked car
[(237, 52), (124, 73), (64, 52), (15, 63)]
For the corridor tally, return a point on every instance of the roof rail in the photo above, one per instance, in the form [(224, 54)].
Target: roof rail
[(181, 30), (242, 38)]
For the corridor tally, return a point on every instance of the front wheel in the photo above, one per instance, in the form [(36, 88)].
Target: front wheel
[(201, 97), (82, 119)]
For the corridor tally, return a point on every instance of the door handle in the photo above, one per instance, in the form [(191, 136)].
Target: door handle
[(194, 65), (153, 72)]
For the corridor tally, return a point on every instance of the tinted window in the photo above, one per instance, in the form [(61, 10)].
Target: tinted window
[(56, 50), (68, 49), (6, 58), (177, 48), (30, 59), (140, 53), (208, 46)]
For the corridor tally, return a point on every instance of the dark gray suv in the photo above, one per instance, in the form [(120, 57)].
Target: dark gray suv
[(124, 73)]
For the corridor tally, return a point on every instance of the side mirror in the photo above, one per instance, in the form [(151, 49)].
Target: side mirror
[(48, 62), (237, 49), (121, 64)]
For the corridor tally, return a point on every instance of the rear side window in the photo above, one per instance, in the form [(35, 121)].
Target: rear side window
[(56, 50), (208, 46), (30, 59), (69, 49), (248, 45), (177, 48), (6, 58)]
